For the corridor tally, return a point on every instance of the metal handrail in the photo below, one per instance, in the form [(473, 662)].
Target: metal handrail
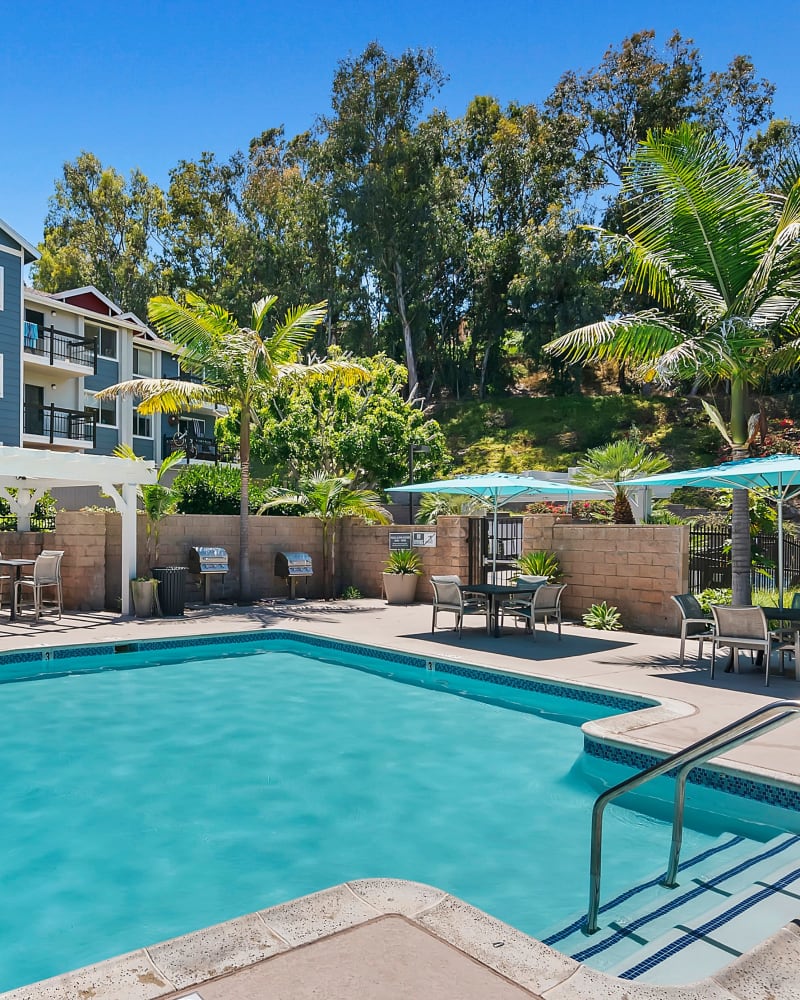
[(728, 738)]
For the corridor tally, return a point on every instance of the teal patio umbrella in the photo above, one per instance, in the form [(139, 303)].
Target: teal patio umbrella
[(776, 478), (495, 489)]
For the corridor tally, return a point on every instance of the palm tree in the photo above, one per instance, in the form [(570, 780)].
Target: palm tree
[(328, 498), (722, 260), (604, 467), (235, 366), (435, 505)]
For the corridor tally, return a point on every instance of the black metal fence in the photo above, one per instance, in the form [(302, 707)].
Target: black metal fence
[(710, 559), (483, 546), (39, 522), (202, 449)]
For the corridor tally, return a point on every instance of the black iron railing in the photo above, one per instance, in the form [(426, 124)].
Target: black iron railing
[(59, 424), (39, 522), (710, 559), (199, 449), (55, 346)]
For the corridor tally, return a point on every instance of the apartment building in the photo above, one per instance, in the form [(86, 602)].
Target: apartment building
[(57, 350)]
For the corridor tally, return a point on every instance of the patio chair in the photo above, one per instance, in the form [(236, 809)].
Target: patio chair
[(3, 578), (46, 577), (544, 605), (448, 596), (741, 628), (695, 623), (524, 599)]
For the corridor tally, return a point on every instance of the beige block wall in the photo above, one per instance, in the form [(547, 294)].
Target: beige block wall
[(635, 567), (82, 539), (364, 549), (181, 532)]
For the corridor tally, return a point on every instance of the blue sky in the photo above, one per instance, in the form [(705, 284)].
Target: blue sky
[(148, 83)]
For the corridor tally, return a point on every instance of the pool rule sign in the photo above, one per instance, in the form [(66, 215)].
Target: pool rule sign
[(411, 540)]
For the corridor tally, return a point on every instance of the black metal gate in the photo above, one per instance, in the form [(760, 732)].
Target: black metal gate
[(710, 559), (482, 546)]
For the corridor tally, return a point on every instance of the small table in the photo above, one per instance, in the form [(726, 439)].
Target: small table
[(16, 565), (495, 592)]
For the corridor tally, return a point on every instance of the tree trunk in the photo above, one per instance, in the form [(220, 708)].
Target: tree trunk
[(740, 509), (484, 370), (325, 531), (244, 508), (400, 293), (622, 509)]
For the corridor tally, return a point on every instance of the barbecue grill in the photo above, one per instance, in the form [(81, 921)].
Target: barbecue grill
[(291, 566), (206, 561)]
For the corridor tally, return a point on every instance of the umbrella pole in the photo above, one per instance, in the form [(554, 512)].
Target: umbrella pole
[(780, 544), (494, 543)]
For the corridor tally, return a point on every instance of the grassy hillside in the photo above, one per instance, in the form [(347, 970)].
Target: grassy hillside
[(519, 433)]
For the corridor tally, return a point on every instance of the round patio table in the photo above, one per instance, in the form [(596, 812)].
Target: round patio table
[(495, 593)]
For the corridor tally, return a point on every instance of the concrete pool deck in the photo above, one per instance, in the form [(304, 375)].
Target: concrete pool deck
[(379, 938)]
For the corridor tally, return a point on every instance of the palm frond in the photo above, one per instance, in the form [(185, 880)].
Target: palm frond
[(161, 395), (292, 335), (637, 338), (193, 324), (261, 310), (349, 373), (690, 202)]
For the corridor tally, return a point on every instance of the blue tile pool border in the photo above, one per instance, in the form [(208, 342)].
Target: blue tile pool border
[(709, 777)]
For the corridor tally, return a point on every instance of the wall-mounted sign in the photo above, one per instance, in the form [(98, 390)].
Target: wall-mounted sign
[(423, 539), (399, 540)]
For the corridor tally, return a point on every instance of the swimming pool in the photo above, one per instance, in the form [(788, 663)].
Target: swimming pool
[(140, 804)]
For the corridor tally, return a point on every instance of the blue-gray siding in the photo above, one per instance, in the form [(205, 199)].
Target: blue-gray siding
[(10, 346), (144, 448), (107, 441)]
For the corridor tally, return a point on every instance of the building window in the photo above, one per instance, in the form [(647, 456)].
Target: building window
[(143, 363), (104, 411), (142, 425), (106, 340)]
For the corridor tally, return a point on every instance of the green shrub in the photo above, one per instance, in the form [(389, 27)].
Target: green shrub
[(601, 616), (214, 489), (712, 595), (351, 594), (541, 563)]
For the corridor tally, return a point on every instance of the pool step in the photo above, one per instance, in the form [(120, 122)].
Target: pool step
[(730, 898)]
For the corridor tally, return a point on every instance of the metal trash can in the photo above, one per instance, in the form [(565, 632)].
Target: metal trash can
[(171, 589)]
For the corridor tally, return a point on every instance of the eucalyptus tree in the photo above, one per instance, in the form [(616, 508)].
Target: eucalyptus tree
[(102, 229), (721, 261), (235, 366), (515, 167), (383, 166)]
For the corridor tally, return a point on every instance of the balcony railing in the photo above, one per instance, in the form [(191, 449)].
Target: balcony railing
[(55, 346), (59, 424), (199, 449)]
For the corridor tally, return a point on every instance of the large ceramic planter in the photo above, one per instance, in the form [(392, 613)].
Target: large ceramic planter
[(400, 587), (143, 593)]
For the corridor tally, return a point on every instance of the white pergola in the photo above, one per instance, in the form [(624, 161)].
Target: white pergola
[(31, 472)]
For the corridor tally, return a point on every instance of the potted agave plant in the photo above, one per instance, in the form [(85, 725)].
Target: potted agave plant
[(400, 576)]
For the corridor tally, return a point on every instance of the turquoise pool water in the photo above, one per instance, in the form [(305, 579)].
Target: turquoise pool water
[(139, 804)]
